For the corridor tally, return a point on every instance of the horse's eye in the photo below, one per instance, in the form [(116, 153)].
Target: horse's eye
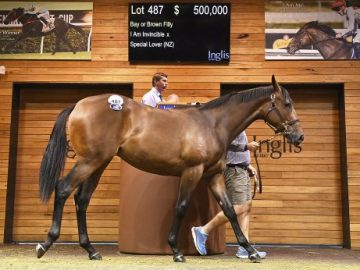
[(288, 105)]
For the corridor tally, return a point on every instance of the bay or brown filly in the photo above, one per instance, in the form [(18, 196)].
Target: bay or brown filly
[(32, 27), (190, 143), (323, 38)]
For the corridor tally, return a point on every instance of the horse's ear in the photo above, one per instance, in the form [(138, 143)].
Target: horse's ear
[(275, 84)]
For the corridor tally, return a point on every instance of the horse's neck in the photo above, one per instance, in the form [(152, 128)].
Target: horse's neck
[(235, 116), (326, 45), (27, 17), (318, 36)]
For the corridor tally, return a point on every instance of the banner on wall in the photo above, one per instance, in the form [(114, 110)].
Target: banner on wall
[(312, 29), (46, 30)]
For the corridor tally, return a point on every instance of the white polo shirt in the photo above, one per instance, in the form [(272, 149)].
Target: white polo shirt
[(152, 98)]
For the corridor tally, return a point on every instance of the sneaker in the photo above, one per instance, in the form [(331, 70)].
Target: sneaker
[(199, 238), (243, 254)]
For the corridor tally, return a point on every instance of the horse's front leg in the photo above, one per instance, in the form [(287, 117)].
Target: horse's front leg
[(217, 186), (188, 181)]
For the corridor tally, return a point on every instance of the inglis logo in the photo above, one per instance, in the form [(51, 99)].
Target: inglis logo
[(276, 148), (218, 56)]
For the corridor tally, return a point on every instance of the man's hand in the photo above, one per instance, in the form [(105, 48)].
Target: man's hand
[(252, 146), (252, 171)]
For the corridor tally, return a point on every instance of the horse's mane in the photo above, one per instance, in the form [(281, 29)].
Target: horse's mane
[(245, 96), (322, 27)]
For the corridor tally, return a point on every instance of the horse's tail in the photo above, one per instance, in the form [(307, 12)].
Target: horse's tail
[(53, 160), (77, 28)]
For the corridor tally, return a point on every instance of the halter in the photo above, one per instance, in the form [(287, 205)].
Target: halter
[(285, 124)]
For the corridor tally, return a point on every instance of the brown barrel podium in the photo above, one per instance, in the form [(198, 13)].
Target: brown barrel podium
[(147, 208)]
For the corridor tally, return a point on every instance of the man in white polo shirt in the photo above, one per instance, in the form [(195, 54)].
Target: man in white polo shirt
[(154, 96)]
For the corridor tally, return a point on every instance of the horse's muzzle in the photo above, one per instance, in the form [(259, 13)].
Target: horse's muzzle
[(295, 138), (291, 49)]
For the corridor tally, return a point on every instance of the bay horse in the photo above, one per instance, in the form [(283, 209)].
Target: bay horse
[(190, 143), (32, 27), (323, 38)]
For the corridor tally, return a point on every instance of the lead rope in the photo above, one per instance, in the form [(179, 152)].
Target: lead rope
[(257, 178)]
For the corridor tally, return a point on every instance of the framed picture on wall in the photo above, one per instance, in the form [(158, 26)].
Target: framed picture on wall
[(312, 29), (46, 30)]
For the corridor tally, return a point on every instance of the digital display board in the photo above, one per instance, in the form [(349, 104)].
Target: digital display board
[(186, 32)]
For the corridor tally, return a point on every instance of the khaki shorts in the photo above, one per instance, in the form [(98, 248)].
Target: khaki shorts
[(238, 185)]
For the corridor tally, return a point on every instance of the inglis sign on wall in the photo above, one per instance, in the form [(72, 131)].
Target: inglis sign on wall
[(275, 149)]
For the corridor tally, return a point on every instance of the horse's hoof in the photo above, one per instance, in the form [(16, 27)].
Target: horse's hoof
[(40, 251), (95, 256), (179, 258), (255, 258)]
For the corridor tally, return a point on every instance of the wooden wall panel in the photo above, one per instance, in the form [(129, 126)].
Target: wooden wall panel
[(195, 83)]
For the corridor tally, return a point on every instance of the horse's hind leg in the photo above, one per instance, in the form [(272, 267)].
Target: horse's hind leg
[(64, 187), (82, 199), (217, 187), (62, 191), (188, 181)]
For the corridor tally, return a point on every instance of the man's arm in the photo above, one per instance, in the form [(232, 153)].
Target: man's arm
[(242, 147), (351, 23)]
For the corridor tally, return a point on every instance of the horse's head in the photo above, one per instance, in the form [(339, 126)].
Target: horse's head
[(279, 113), (309, 34), (300, 40), (14, 14)]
